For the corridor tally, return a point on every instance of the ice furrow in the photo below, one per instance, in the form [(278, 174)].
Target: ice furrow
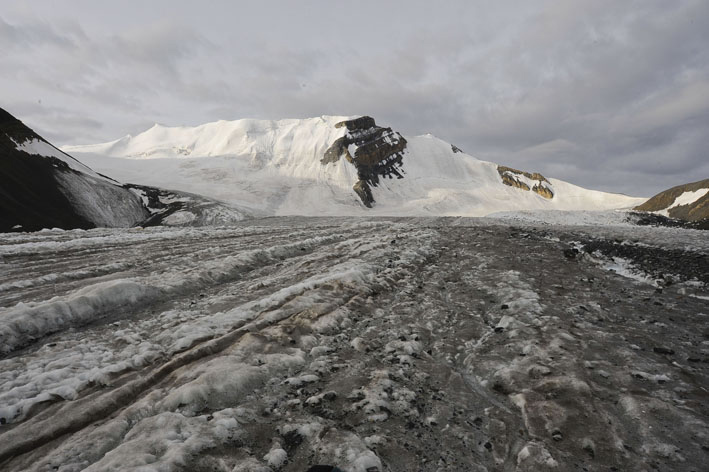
[(147, 352), (434, 344), (24, 323), (272, 311)]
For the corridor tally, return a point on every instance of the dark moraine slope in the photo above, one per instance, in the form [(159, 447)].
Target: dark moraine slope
[(43, 187)]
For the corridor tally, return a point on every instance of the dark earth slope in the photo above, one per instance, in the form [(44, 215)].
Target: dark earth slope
[(29, 195), (40, 191)]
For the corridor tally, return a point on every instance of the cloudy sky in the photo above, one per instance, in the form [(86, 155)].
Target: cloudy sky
[(612, 95)]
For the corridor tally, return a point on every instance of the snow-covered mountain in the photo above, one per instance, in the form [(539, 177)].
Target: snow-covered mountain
[(43, 187), (332, 166)]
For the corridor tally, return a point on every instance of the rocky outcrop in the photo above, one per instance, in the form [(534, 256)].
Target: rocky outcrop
[(374, 151), (527, 181), (544, 191), (696, 210), (364, 192)]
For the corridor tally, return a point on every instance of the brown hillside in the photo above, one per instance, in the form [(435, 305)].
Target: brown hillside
[(695, 211)]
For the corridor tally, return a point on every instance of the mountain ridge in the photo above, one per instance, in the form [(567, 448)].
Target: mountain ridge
[(333, 165)]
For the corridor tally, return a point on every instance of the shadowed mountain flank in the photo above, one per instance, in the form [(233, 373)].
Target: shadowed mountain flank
[(43, 187), (29, 196)]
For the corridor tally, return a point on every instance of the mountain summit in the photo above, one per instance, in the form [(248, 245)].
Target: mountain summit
[(333, 165)]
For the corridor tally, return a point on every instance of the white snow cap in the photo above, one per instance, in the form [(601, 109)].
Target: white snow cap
[(275, 167)]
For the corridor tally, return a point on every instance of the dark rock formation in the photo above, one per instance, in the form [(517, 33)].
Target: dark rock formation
[(174, 208), (510, 177), (364, 192), (378, 152), (653, 219), (657, 262), (696, 211)]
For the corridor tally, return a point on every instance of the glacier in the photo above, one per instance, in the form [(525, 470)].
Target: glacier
[(371, 344)]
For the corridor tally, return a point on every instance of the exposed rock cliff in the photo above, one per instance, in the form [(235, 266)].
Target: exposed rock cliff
[(689, 202), (535, 182), (375, 152)]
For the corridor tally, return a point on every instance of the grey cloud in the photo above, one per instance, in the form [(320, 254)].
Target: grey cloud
[(606, 94), (36, 35)]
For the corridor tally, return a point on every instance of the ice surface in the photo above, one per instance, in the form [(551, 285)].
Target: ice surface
[(371, 344), (26, 322), (559, 217)]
